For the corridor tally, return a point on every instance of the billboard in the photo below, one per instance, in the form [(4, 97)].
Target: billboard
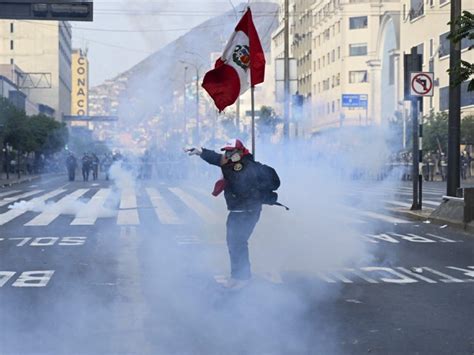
[(48, 10), (80, 84)]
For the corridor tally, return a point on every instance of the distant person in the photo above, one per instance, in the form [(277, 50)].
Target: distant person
[(106, 164), (95, 166), (86, 166), (247, 185), (71, 164)]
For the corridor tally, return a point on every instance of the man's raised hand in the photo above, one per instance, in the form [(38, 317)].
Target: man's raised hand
[(193, 151)]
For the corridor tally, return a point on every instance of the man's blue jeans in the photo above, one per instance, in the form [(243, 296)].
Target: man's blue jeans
[(240, 226)]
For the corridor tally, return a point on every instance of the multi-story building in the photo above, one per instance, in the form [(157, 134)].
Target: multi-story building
[(345, 39), (42, 50), (424, 25), (302, 11)]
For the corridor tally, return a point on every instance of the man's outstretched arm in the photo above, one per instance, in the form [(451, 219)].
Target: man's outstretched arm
[(208, 155)]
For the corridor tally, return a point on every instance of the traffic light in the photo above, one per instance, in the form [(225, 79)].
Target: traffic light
[(47, 10)]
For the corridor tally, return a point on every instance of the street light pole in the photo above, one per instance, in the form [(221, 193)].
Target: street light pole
[(184, 104), (197, 106), (286, 73)]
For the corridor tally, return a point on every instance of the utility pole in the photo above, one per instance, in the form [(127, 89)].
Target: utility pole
[(286, 78), (197, 106), (184, 105), (454, 128)]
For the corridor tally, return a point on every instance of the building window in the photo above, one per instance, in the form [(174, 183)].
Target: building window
[(12, 28), (358, 49), (338, 79), (417, 9), (11, 45), (12, 61), (445, 44), (329, 58), (333, 106), (338, 26), (467, 97), (333, 55), (358, 22), (338, 104), (324, 61), (338, 52), (441, 2), (319, 63), (358, 76)]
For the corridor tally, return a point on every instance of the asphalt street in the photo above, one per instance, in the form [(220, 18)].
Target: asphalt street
[(92, 268)]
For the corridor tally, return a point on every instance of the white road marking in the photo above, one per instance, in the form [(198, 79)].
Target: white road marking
[(446, 279), (94, 203), (382, 217), (39, 278), (13, 213), (416, 275), (11, 192), (163, 211), (201, 210), (128, 213), (132, 311), (54, 211), (9, 200)]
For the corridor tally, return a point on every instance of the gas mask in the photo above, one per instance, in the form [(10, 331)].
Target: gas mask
[(233, 155)]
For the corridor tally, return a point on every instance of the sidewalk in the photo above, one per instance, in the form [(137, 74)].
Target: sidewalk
[(4, 182)]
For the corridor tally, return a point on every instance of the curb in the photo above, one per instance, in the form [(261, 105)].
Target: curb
[(425, 215), (28, 179)]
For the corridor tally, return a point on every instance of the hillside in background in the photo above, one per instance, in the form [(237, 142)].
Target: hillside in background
[(148, 88)]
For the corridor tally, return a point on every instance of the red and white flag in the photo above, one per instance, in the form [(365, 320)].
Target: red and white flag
[(241, 65)]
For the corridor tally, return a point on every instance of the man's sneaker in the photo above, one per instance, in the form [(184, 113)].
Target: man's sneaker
[(235, 284)]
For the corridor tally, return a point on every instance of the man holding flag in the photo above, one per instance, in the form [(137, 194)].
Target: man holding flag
[(241, 180)]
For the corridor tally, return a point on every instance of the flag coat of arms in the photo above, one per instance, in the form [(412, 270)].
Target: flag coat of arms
[(241, 65)]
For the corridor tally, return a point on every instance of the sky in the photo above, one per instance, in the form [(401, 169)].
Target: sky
[(124, 32)]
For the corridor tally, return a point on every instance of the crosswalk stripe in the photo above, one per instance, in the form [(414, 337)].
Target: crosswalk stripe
[(11, 192), (13, 213), (54, 211), (128, 213), (164, 213), (96, 202), (201, 210), (9, 200)]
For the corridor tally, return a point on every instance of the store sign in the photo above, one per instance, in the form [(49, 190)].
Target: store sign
[(80, 85)]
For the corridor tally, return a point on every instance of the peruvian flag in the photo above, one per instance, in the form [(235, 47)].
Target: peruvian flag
[(241, 65)]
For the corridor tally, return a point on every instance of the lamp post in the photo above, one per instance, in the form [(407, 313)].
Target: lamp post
[(197, 68)]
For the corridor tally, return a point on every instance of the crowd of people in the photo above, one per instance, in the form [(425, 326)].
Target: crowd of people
[(90, 163)]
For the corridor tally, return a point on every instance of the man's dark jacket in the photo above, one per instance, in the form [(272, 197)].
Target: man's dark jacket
[(244, 186)]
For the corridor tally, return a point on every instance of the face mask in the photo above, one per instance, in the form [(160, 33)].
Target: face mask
[(235, 157)]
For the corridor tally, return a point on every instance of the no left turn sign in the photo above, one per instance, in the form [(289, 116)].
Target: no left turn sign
[(421, 84)]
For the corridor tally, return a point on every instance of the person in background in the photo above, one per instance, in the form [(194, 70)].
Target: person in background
[(71, 164), (95, 166), (86, 166), (106, 164)]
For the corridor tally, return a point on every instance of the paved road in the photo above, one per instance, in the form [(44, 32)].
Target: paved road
[(90, 268)]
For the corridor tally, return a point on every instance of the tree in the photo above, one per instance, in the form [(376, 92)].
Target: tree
[(267, 121), (435, 132), (467, 130), (465, 31)]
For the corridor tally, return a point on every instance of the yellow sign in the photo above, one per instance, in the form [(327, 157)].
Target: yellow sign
[(80, 84)]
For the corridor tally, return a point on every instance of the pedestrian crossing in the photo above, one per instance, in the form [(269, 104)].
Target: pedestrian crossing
[(171, 206)]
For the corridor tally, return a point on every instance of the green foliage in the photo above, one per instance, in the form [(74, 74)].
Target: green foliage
[(268, 120), (467, 130), (465, 30), (38, 133), (435, 132)]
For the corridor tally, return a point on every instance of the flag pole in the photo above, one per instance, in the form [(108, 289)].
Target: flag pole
[(252, 94)]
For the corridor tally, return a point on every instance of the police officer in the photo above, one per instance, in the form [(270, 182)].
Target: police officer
[(240, 184), (71, 164)]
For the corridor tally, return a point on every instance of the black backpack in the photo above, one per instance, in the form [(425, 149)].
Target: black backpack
[(269, 182)]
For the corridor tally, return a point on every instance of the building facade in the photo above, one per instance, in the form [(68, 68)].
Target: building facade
[(345, 35), (43, 51)]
